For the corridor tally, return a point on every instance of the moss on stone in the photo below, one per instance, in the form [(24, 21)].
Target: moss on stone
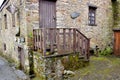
[(39, 65), (73, 62), (8, 58), (116, 12), (100, 68)]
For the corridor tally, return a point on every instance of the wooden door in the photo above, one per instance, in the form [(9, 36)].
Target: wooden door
[(47, 10), (117, 43), (21, 58)]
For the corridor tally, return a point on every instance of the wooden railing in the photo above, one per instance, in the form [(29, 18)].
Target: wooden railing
[(62, 40)]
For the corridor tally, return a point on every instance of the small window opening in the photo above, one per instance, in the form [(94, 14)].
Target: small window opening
[(5, 21), (92, 16), (4, 47)]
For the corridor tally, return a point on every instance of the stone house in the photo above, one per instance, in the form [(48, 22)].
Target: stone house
[(18, 18)]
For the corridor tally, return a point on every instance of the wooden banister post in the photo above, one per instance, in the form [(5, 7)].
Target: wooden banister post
[(88, 49), (44, 41), (74, 40)]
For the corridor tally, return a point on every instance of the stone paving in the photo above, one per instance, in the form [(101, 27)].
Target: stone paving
[(7, 72), (100, 68)]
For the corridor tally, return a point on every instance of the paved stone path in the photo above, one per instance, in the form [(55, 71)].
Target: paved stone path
[(100, 68), (7, 72)]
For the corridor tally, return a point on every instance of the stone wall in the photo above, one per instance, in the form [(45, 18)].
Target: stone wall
[(8, 36), (116, 10), (27, 18), (39, 65), (101, 34)]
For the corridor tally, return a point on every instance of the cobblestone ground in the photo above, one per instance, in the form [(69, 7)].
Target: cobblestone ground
[(7, 72), (100, 68)]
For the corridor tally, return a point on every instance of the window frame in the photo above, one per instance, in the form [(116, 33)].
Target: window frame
[(92, 16)]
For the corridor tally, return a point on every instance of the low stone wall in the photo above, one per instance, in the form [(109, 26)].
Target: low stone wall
[(39, 65), (56, 67)]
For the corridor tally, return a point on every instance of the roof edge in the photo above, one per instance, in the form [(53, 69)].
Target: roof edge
[(3, 4)]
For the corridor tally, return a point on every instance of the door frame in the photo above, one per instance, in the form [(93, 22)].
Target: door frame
[(54, 12)]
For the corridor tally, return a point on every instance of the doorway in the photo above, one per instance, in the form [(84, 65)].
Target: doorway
[(117, 42), (47, 11), (21, 57)]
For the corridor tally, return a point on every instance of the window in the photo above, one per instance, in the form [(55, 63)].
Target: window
[(1, 24), (5, 21), (92, 16), (13, 20), (113, 0), (18, 18), (4, 46)]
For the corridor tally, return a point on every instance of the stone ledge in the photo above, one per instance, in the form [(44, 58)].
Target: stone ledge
[(57, 55)]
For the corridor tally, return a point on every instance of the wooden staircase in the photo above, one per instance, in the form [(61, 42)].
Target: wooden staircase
[(64, 41)]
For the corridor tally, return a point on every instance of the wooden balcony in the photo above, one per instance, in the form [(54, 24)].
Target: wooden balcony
[(63, 40)]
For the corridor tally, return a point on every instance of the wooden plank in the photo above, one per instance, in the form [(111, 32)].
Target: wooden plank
[(44, 42), (85, 49), (117, 43), (51, 40), (82, 45), (78, 42), (74, 40), (69, 40), (58, 40), (58, 55), (38, 40), (41, 39), (34, 39), (47, 10), (64, 40), (82, 34), (88, 48)]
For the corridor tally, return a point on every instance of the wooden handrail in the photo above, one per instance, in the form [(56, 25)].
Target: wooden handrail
[(64, 40)]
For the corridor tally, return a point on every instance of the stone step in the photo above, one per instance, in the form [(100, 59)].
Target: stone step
[(81, 57)]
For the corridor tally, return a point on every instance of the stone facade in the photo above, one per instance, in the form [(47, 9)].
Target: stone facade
[(116, 10), (101, 33), (15, 37), (27, 18)]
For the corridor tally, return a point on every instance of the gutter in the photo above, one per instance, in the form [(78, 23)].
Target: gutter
[(3, 4)]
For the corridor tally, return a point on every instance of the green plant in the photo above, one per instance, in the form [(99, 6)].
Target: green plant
[(30, 35), (30, 41), (8, 58), (106, 51), (72, 62)]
